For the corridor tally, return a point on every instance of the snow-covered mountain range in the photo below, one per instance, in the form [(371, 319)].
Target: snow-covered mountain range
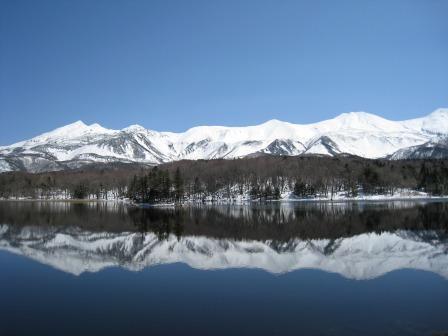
[(364, 256), (355, 133)]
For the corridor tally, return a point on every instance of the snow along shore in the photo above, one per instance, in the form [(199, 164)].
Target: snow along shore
[(404, 194), (289, 197)]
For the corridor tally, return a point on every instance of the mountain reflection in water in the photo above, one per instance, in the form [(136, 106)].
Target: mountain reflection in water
[(356, 240)]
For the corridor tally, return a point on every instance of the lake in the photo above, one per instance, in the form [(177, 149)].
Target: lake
[(349, 268)]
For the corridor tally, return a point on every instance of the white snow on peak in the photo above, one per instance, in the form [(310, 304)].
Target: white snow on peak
[(71, 131), (435, 123), (76, 124), (275, 123), (443, 112), (74, 129), (361, 121), (358, 133), (134, 128)]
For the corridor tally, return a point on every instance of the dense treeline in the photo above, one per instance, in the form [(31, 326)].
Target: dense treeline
[(265, 177), (268, 177), (99, 181)]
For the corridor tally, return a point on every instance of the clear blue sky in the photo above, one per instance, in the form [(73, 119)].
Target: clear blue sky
[(171, 65)]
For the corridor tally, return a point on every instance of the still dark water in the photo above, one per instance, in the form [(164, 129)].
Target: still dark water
[(292, 269)]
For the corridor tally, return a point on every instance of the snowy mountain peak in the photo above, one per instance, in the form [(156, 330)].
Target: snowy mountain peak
[(435, 123), (275, 122), (356, 115), (363, 121), (134, 128), (78, 123), (440, 112), (81, 126), (357, 133), (77, 126), (76, 129), (360, 116)]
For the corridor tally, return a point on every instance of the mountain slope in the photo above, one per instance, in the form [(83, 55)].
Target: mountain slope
[(428, 150), (356, 133)]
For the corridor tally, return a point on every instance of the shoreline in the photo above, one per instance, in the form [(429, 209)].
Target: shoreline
[(238, 202), (60, 200)]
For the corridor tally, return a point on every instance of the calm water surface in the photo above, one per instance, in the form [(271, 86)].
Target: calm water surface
[(291, 269)]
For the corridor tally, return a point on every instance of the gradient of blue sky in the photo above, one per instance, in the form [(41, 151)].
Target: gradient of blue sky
[(171, 65)]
